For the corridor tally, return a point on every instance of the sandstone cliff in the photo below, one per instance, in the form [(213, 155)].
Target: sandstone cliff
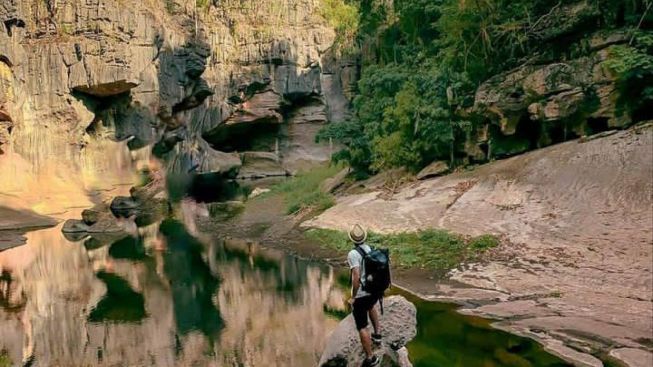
[(194, 80)]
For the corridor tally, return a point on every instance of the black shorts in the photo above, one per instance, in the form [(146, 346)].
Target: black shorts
[(362, 306)]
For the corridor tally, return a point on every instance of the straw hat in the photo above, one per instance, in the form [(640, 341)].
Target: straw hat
[(357, 234)]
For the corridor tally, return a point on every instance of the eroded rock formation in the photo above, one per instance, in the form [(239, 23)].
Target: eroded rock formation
[(167, 72), (564, 90)]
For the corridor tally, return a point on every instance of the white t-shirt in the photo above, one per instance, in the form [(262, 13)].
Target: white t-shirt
[(355, 259)]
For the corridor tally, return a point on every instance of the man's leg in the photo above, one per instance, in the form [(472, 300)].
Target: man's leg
[(360, 311), (374, 316), (366, 341)]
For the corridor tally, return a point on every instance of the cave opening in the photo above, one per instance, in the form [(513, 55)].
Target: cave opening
[(261, 136), (526, 137), (528, 131), (596, 125), (560, 132)]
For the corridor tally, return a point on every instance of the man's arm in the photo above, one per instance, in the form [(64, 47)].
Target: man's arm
[(355, 281)]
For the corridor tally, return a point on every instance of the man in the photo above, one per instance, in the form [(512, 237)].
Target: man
[(361, 301)]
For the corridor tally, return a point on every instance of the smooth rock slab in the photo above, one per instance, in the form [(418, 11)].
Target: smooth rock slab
[(398, 326), (633, 357)]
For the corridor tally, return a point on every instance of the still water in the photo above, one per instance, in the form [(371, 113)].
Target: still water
[(170, 296)]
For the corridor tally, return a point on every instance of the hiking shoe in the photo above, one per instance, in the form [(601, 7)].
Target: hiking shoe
[(370, 362), (377, 338)]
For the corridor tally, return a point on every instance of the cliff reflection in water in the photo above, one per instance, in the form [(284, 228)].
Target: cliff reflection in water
[(162, 297)]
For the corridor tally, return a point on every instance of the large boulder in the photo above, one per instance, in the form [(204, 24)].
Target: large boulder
[(568, 91), (398, 326)]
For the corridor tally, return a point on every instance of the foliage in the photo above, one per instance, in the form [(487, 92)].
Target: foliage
[(632, 61), (422, 61), (430, 249), (633, 68), (5, 361), (403, 118), (171, 6), (203, 3), (342, 15), (302, 192)]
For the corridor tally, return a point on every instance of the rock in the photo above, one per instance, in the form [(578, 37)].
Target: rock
[(106, 223), (633, 357), (199, 93), (75, 226), (91, 216), (11, 239), (122, 206), (332, 183), (5, 127), (225, 210), (580, 359), (260, 165), (261, 111), (107, 89), (298, 148), (145, 211), (75, 236), (13, 219), (214, 161), (168, 141), (151, 189), (257, 191), (99, 240), (527, 199), (398, 325), (544, 103), (434, 169)]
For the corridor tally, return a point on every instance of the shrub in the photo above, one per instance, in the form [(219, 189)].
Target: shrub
[(302, 192)]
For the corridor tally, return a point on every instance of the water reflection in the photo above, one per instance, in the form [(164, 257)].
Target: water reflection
[(447, 338), (191, 282), (161, 297), (120, 304)]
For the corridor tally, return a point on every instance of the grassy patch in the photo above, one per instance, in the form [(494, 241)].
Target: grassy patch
[(428, 249), (4, 359), (302, 192)]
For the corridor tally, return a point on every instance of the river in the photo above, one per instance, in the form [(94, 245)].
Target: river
[(165, 297)]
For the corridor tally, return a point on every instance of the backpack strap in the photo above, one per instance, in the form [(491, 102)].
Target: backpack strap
[(362, 253)]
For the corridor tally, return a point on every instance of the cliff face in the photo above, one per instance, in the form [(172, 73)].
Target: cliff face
[(192, 79), (567, 88)]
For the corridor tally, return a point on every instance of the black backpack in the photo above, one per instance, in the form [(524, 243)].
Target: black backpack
[(377, 271)]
